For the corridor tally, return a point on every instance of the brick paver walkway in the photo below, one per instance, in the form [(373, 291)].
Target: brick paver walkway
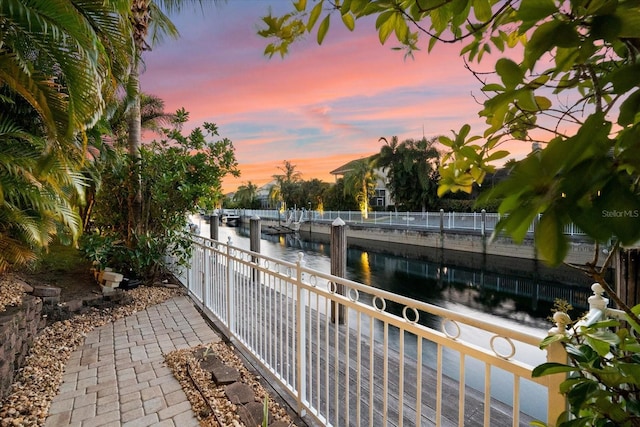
[(118, 376)]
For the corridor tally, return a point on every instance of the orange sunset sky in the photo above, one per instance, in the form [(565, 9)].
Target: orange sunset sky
[(319, 107)]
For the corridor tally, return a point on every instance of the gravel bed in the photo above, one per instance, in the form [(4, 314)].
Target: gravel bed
[(208, 400)]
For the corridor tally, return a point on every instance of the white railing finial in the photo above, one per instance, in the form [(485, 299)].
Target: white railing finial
[(561, 319), (597, 301)]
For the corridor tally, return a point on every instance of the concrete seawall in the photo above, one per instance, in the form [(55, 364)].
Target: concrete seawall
[(462, 248), (580, 251)]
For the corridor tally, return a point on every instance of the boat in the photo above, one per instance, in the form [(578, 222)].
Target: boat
[(230, 220)]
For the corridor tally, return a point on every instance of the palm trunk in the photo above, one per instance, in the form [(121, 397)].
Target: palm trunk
[(134, 142)]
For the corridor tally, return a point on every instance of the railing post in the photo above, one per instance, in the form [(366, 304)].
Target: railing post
[(231, 303), (301, 339), (441, 221), (338, 265), (557, 403), (254, 245), (213, 226), (483, 222)]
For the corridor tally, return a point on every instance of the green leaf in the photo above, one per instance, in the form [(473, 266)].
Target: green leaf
[(482, 10), (349, 22), (385, 25), (497, 155), (549, 238), (551, 368), (536, 10), (510, 72), (543, 102), (629, 109), (493, 87), (315, 14), (324, 27), (626, 78), (526, 100), (300, 5)]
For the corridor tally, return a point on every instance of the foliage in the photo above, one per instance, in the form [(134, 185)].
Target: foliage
[(335, 199), (569, 82), (284, 189), (310, 194), (180, 174), (40, 188), (412, 172), (63, 58), (360, 182), (246, 197), (603, 386)]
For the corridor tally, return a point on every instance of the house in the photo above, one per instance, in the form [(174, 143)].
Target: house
[(263, 193), (382, 198)]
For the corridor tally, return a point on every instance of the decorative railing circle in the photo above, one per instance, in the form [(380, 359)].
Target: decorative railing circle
[(332, 287), (506, 339), (415, 313), (353, 294), (457, 333), (377, 298), (313, 280)]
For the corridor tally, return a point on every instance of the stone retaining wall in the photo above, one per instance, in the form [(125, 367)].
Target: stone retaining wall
[(18, 328)]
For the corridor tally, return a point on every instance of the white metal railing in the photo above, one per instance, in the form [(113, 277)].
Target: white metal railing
[(476, 221), (389, 360)]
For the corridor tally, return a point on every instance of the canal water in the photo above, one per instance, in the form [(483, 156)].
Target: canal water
[(522, 301)]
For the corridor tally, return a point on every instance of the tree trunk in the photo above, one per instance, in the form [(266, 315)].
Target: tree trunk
[(134, 142), (628, 275)]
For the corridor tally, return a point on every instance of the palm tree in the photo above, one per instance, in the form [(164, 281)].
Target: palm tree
[(39, 190), (147, 18), (361, 182), (60, 63), (411, 167), (246, 195), (286, 182), (62, 57)]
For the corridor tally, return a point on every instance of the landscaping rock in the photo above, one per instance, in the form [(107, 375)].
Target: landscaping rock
[(240, 393)]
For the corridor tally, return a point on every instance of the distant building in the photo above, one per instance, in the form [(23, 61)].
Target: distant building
[(262, 194), (382, 198)]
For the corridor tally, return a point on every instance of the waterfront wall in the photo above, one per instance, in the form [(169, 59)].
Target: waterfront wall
[(580, 251)]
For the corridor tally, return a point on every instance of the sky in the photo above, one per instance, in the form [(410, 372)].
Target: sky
[(319, 107)]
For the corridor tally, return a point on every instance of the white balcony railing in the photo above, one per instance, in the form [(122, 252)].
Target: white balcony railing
[(366, 356)]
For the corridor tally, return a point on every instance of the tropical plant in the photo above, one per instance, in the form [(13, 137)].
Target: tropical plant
[(246, 196), (181, 173), (39, 190), (63, 58), (603, 387), (360, 182), (334, 198), (412, 172), (147, 19), (284, 188), (60, 64)]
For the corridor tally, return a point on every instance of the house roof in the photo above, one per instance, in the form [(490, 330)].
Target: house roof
[(349, 166)]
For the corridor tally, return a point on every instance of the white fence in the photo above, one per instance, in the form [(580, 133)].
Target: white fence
[(390, 361), (483, 222)]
